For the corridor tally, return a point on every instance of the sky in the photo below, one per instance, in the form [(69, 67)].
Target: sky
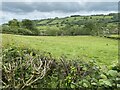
[(34, 9)]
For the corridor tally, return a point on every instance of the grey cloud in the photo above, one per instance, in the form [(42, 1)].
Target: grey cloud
[(103, 6), (40, 6), (59, 6), (16, 7), (66, 7)]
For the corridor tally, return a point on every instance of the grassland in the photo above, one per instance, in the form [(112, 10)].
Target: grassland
[(103, 50)]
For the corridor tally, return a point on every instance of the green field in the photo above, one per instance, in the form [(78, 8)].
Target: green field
[(103, 50)]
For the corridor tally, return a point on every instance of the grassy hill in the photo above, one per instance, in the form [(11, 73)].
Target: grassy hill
[(76, 20), (97, 25)]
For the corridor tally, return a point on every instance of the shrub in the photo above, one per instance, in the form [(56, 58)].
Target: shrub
[(22, 67), (24, 31), (79, 74), (25, 68)]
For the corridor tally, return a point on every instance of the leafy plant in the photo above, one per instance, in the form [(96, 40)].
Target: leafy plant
[(25, 68), (22, 68)]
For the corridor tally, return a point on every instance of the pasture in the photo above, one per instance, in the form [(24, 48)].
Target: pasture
[(103, 50)]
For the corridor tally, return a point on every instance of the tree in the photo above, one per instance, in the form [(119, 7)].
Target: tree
[(94, 28), (13, 23), (28, 24), (112, 28), (5, 29), (24, 31), (89, 26), (52, 31)]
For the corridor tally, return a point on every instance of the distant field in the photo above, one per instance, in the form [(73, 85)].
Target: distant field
[(103, 50), (114, 36)]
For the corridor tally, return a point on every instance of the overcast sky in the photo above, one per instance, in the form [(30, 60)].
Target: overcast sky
[(40, 10)]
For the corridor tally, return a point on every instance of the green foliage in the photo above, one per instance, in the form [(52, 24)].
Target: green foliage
[(97, 25), (25, 68), (26, 23), (24, 31), (14, 23), (26, 27), (9, 29), (5, 29), (52, 31)]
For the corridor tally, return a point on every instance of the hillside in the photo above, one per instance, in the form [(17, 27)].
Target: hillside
[(100, 25), (77, 24)]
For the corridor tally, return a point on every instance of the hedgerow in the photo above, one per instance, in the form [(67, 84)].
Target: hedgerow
[(23, 68)]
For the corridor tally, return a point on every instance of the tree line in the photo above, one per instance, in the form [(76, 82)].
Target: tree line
[(24, 27)]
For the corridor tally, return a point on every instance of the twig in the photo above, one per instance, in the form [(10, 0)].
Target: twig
[(67, 72)]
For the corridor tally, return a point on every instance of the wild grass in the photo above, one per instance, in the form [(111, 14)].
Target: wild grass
[(103, 50)]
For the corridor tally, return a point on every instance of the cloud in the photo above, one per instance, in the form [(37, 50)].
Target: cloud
[(16, 7), (39, 10), (19, 7), (61, 0), (22, 7)]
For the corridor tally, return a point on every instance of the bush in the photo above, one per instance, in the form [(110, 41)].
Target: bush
[(24, 31), (25, 68), (5, 29), (79, 74)]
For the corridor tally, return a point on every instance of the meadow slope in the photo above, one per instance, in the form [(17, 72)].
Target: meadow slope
[(103, 50)]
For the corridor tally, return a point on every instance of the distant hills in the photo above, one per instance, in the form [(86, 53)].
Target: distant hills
[(73, 25)]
